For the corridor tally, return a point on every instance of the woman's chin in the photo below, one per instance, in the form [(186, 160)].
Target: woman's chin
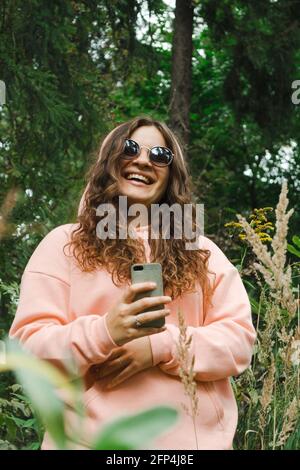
[(131, 199), (135, 197)]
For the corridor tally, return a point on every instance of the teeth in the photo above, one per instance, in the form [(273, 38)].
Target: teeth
[(140, 177)]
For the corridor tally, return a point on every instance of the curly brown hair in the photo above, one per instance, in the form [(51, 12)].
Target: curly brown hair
[(181, 268)]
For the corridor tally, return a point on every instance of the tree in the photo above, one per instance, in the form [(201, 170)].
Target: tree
[(242, 114), (181, 87)]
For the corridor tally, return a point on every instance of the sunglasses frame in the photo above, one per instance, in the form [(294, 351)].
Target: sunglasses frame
[(128, 157)]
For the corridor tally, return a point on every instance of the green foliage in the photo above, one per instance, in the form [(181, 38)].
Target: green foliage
[(41, 382), (19, 429), (261, 42), (133, 432), (246, 57), (295, 248), (75, 69), (268, 393)]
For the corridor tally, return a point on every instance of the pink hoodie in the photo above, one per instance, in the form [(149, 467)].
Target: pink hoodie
[(63, 310)]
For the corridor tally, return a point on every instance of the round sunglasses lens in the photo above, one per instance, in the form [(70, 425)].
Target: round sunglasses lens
[(161, 156), (131, 148)]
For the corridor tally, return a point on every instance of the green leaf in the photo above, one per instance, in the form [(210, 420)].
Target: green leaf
[(296, 240), (132, 432), (249, 284), (254, 305), (32, 446), (23, 423), (229, 209), (46, 403), (40, 389), (293, 250), (11, 428)]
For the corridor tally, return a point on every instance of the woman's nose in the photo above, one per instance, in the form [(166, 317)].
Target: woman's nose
[(144, 156)]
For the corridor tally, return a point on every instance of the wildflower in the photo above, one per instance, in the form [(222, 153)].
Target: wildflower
[(186, 370), (272, 265), (258, 222)]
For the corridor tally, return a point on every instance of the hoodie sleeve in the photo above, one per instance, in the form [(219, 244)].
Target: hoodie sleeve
[(43, 322), (222, 346)]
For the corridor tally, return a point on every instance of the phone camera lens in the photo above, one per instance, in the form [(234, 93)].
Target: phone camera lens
[(138, 268)]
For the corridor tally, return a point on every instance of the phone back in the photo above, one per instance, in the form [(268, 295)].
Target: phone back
[(144, 273)]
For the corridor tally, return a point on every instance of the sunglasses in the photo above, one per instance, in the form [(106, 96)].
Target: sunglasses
[(159, 156)]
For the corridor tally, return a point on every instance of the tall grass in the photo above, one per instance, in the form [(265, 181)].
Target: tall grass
[(187, 372), (268, 392)]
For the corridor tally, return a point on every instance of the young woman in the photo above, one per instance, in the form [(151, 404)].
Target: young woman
[(82, 303)]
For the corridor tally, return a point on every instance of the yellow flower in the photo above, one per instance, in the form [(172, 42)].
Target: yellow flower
[(258, 221)]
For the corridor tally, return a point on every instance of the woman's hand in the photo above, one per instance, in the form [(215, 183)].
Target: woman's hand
[(126, 361), (120, 320)]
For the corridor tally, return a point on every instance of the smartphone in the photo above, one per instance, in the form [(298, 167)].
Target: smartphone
[(144, 273)]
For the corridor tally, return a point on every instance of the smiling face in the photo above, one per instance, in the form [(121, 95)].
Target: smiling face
[(138, 191)]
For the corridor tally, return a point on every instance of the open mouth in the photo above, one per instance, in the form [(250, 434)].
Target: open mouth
[(138, 178)]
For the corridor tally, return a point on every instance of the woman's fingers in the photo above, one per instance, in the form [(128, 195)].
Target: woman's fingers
[(131, 291), (124, 375), (150, 316), (111, 367), (119, 319), (115, 353), (148, 302)]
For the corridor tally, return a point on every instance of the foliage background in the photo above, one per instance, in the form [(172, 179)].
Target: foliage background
[(73, 69)]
